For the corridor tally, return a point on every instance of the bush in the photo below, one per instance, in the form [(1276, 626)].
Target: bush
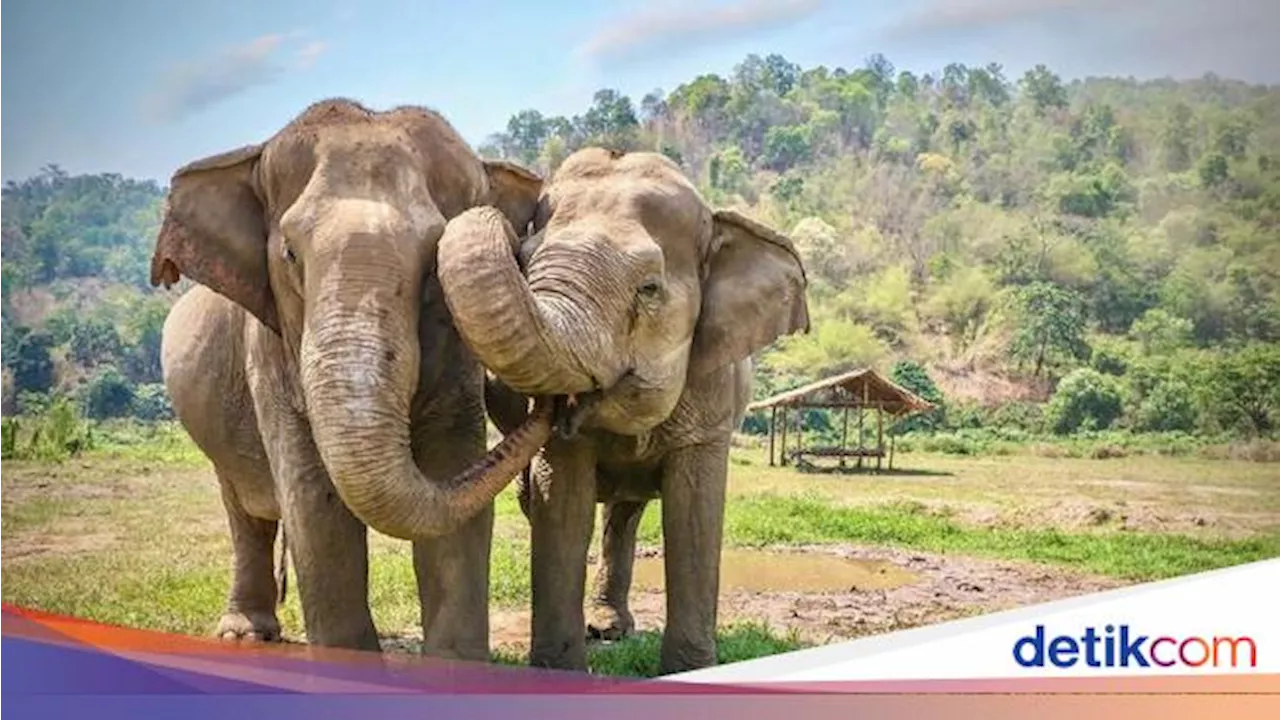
[(1085, 400), (1169, 406), (108, 394), (59, 432), (151, 403), (8, 438), (1025, 416)]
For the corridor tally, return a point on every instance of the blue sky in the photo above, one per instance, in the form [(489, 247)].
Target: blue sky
[(140, 87)]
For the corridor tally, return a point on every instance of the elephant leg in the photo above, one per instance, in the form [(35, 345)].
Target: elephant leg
[(610, 616), (453, 571), (329, 546), (562, 513), (251, 604), (693, 490)]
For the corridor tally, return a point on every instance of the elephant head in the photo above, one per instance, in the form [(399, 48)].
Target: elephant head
[(327, 234), (628, 287)]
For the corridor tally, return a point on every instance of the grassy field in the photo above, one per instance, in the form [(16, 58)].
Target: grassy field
[(134, 534)]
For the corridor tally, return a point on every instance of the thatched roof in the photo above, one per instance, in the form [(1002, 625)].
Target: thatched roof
[(851, 387)]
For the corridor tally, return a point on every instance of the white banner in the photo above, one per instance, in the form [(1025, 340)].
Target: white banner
[(1219, 622)]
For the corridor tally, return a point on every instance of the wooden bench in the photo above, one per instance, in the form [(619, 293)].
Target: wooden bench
[(835, 452)]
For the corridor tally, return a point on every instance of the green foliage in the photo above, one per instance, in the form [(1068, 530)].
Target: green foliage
[(57, 432), (957, 218), (108, 394), (913, 376), (1085, 400), (32, 364), (94, 341), (1159, 332), (1245, 386), (1051, 326), (151, 403), (1171, 405)]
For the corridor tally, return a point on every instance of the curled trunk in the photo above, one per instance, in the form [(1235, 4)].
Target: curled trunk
[(531, 342)]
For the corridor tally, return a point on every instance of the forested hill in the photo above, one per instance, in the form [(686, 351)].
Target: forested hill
[(1000, 233)]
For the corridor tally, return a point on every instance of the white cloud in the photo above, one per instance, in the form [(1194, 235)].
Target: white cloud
[(311, 52), (661, 28), (197, 83)]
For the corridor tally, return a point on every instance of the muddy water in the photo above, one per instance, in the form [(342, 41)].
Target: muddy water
[(758, 571)]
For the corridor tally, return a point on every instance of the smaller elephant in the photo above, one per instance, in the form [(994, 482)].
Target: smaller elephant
[(636, 307)]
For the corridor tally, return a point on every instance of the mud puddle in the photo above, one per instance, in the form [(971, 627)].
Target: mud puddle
[(745, 570)]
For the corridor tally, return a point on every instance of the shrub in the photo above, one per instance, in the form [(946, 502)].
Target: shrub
[(151, 402), (1026, 416), (64, 428), (1169, 406), (1085, 400), (108, 394)]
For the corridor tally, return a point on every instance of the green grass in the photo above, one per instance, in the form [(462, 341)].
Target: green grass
[(774, 520), (639, 654)]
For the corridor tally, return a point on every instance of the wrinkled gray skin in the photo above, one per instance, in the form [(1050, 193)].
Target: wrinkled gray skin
[(635, 298), (317, 366)]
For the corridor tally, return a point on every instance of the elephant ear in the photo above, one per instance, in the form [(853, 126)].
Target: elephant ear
[(214, 232), (514, 191), (754, 292)]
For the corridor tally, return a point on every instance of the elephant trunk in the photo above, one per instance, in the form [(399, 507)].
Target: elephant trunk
[(359, 368), (539, 340)]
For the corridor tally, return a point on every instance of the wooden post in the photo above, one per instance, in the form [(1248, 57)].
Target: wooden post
[(844, 435), (773, 422), (782, 455), (879, 434), (892, 441), (862, 411), (800, 429)]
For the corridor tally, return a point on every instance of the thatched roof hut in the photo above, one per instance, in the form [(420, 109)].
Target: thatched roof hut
[(861, 390)]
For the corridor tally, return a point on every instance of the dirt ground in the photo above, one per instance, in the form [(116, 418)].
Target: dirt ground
[(890, 590)]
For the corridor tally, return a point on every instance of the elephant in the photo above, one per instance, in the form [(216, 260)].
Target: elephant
[(315, 363), (637, 308)]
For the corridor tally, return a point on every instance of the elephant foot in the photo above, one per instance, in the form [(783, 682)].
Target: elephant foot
[(251, 627), (609, 623)]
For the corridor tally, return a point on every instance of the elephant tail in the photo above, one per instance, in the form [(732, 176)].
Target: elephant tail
[(282, 568)]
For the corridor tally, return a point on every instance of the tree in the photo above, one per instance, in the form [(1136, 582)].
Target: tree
[(1160, 332), (1246, 388), (1085, 400), (109, 394), (912, 376), (527, 130), (95, 341), (1051, 326), (1176, 138), (787, 146), (610, 121), (32, 364), (1044, 89)]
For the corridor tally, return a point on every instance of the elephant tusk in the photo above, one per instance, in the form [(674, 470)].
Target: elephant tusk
[(572, 400)]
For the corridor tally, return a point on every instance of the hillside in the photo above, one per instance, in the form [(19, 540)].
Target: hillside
[(1002, 235)]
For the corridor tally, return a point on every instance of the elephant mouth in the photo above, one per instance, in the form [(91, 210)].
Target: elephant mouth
[(569, 412)]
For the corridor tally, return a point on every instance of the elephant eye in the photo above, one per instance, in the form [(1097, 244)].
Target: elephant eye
[(287, 252), (651, 288)]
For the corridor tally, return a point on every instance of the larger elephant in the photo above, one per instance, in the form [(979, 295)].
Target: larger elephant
[(640, 304), (317, 366)]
